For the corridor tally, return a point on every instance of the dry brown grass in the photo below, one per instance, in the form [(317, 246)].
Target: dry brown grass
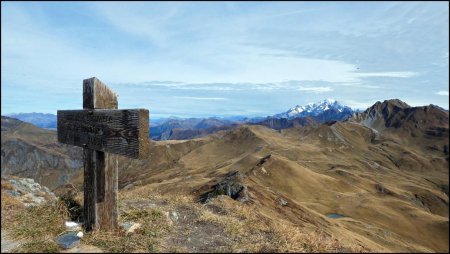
[(38, 222), (119, 242), (9, 202), (145, 239), (35, 226), (248, 229), (257, 233), (289, 238), (7, 185), (251, 231), (37, 246)]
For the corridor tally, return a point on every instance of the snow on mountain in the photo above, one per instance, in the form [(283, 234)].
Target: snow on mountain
[(329, 107)]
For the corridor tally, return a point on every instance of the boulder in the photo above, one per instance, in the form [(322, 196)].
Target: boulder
[(232, 185)]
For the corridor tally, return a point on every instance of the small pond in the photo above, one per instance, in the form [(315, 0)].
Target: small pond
[(335, 215)]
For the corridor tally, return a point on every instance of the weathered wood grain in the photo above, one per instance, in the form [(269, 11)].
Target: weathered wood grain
[(123, 132), (97, 95), (107, 187), (90, 212)]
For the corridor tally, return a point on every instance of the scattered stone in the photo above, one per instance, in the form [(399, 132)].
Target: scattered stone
[(30, 199), (133, 228), (382, 190), (127, 225), (283, 202), (130, 227), (68, 240), (29, 192), (173, 216), (13, 193), (264, 160), (72, 226), (168, 219), (80, 234), (263, 170)]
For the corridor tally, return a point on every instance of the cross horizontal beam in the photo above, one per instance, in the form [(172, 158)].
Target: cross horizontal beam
[(123, 132)]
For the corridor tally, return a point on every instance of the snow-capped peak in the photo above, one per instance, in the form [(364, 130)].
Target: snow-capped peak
[(314, 109)]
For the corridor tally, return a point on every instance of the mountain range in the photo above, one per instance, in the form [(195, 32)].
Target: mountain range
[(378, 179), (32, 152), (326, 110), (41, 120), (175, 128)]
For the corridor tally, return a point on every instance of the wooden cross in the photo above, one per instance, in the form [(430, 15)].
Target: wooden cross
[(103, 131)]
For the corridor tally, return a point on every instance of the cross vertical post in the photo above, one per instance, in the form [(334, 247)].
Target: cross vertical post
[(100, 168)]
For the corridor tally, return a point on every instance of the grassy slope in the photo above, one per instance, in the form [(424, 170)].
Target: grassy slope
[(391, 187), (331, 169)]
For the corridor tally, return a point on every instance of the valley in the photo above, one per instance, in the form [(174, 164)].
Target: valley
[(378, 180)]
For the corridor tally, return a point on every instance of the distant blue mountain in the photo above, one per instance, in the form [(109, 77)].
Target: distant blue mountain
[(40, 120), (185, 128)]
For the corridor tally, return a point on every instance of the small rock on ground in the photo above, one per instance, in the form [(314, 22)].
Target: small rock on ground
[(130, 227), (133, 228), (72, 226), (68, 240), (173, 216)]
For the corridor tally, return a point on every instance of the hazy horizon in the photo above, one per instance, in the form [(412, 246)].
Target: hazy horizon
[(198, 116), (190, 59)]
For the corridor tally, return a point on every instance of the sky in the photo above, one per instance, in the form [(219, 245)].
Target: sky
[(199, 59)]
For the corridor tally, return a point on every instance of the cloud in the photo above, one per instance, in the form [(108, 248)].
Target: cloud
[(358, 85), (206, 51), (201, 98), (398, 74), (319, 89), (357, 104), (312, 86), (444, 93)]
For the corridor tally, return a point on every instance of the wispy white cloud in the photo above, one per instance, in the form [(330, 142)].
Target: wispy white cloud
[(358, 104), (208, 50), (201, 98), (357, 84), (319, 89), (444, 93), (398, 74)]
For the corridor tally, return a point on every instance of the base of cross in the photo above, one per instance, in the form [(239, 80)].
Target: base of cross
[(100, 190)]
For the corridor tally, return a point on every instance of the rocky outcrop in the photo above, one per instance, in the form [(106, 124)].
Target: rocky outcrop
[(27, 191), (30, 152), (232, 185)]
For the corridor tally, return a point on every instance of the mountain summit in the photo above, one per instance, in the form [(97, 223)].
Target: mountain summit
[(328, 109)]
